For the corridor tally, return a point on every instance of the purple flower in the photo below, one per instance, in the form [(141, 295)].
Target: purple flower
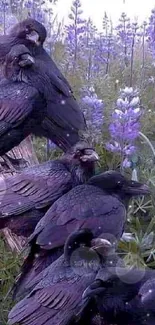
[(75, 31), (124, 37), (93, 110), (52, 145), (125, 126), (150, 32), (126, 163), (4, 12)]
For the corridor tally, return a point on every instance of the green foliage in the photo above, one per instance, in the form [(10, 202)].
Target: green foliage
[(138, 246), (9, 268)]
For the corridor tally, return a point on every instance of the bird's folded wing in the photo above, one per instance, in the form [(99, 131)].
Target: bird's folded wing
[(52, 301), (17, 100), (34, 188)]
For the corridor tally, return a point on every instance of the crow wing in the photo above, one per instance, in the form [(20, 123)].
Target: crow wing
[(17, 101), (64, 118), (35, 188), (18, 113), (85, 206), (55, 298)]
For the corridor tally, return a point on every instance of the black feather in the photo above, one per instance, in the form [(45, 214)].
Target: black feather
[(25, 197), (85, 206), (63, 120)]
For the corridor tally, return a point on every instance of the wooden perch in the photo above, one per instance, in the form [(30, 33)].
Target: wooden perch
[(25, 151)]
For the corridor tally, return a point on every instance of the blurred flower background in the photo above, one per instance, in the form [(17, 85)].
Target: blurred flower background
[(112, 73)]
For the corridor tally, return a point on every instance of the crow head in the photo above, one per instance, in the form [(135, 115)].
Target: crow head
[(18, 59), (115, 183), (80, 160), (82, 153), (29, 29), (83, 250)]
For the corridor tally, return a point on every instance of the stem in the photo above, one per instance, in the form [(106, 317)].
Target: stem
[(108, 58), (143, 56), (4, 21), (143, 46), (89, 64), (75, 30), (125, 43), (132, 55), (143, 136)]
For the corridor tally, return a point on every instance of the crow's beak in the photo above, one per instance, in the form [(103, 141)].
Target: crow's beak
[(145, 297), (102, 246), (136, 188), (33, 37), (26, 60), (89, 155)]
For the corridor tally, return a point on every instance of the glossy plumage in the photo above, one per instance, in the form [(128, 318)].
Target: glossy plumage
[(21, 102), (100, 207), (25, 197), (58, 292), (64, 123), (125, 298)]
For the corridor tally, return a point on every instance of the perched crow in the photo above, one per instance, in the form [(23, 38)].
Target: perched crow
[(64, 122), (25, 197), (126, 298), (21, 104), (99, 205), (58, 292)]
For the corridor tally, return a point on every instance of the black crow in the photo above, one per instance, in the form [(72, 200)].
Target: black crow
[(64, 122), (22, 105), (58, 292), (25, 197), (126, 298), (99, 205)]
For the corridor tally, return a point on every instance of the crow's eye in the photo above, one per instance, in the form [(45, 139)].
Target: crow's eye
[(28, 28), (16, 59), (119, 184)]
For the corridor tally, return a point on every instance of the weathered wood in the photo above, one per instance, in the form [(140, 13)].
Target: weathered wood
[(25, 151)]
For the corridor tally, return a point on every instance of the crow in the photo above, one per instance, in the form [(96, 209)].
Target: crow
[(22, 104), (25, 197), (64, 123), (58, 291), (126, 298), (99, 205)]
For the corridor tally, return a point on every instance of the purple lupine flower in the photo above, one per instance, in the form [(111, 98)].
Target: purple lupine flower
[(105, 47), (4, 11), (151, 33), (127, 35), (93, 110), (143, 34), (88, 43), (35, 9), (125, 126), (75, 30), (124, 38)]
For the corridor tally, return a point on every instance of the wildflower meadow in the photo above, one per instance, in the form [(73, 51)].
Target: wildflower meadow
[(112, 74)]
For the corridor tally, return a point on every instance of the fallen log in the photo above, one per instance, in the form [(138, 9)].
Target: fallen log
[(25, 152)]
